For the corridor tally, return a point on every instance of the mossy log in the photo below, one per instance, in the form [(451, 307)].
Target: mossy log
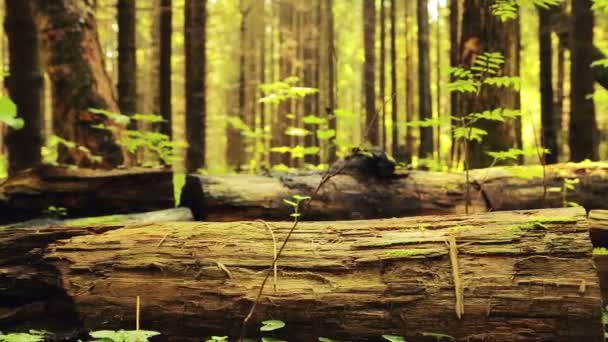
[(84, 192), (406, 193), (521, 276)]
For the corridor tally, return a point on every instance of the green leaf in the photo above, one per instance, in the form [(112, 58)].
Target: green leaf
[(325, 339), (293, 204), (8, 113), (300, 198), (153, 118), (272, 339), (124, 335), (281, 149), (393, 338), (313, 120), (116, 117), (326, 134), (297, 132), (272, 325), (470, 133)]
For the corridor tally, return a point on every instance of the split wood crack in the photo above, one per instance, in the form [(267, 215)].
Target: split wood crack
[(458, 287)]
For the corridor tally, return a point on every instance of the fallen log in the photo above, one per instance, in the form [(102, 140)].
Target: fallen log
[(521, 276), (407, 193), (180, 214), (84, 192)]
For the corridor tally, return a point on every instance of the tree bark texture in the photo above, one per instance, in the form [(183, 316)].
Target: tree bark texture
[(510, 276), (25, 85), (74, 62)]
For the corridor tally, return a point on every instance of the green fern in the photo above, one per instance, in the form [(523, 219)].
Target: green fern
[(508, 9)]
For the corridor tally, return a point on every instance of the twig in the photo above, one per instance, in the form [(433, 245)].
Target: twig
[(274, 253), (458, 288)]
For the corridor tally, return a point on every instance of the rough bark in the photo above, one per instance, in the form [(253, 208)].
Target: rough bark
[(195, 42), (425, 149), (74, 62), (369, 72), (84, 192), (549, 128), (127, 59), (348, 196), (166, 22), (480, 25), (522, 275), (584, 136), (25, 85), (382, 77)]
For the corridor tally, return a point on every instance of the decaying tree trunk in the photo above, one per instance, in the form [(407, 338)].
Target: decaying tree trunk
[(229, 198), (84, 192), (521, 276)]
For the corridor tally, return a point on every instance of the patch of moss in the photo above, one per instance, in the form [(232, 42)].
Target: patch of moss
[(556, 219), (404, 253), (526, 172), (600, 251), (96, 220)]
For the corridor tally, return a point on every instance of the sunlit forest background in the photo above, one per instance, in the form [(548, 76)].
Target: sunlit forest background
[(289, 85)]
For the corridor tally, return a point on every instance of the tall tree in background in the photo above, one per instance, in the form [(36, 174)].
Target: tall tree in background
[(394, 102), (369, 85), (424, 79), (549, 127), (410, 75), (331, 73), (196, 60), (127, 61), (382, 81), (481, 31), (583, 138), (166, 29), (25, 86), (75, 65)]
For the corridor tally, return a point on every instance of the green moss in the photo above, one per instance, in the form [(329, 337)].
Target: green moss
[(404, 253), (600, 251), (556, 219), (526, 172), (463, 227), (96, 220)]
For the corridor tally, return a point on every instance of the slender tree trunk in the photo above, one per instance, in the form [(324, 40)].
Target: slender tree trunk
[(382, 117), (583, 138), (438, 82), (424, 79), (196, 61), (394, 88), (454, 61), (25, 86), (166, 22), (332, 76), (560, 94), (549, 130), (410, 105), (369, 71), (127, 62), (73, 58)]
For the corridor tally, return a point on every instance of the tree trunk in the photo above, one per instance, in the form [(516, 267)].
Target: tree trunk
[(394, 89), (83, 192), (549, 128), (382, 80), (492, 277), (583, 140), (360, 196), (166, 29), (424, 79), (331, 76), (369, 71), (74, 62), (127, 60), (25, 86), (410, 85), (481, 25), (195, 43)]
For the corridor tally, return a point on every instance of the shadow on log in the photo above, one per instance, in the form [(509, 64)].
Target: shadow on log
[(522, 276)]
